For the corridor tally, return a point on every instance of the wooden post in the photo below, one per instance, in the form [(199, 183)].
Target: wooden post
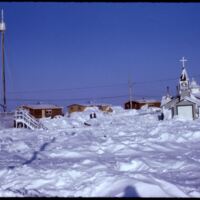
[(3, 74), (2, 30)]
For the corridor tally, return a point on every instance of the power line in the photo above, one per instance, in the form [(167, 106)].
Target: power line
[(66, 99), (97, 86), (68, 89), (88, 87), (136, 96), (79, 99), (155, 81)]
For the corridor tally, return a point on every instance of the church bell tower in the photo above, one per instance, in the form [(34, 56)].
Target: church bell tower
[(184, 84)]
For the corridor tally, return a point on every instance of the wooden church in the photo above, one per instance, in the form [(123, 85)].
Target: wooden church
[(186, 104)]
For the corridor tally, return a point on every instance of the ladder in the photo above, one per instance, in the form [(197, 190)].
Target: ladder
[(23, 118)]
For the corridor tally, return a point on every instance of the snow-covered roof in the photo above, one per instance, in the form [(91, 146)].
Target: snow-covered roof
[(197, 95), (171, 102), (193, 99), (165, 100), (147, 101), (42, 106), (144, 101), (88, 105)]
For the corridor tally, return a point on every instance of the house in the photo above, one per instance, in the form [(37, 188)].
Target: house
[(150, 103), (186, 104), (132, 104), (105, 108), (28, 116), (138, 104), (80, 108), (76, 108), (43, 110)]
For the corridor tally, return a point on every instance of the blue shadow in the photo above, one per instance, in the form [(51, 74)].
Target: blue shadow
[(34, 157), (129, 191)]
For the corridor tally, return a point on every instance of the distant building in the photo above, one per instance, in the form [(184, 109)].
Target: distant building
[(79, 108), (186, 104), (76, 108), (28, 116), (140, 103), (105, 108), (43, 110)]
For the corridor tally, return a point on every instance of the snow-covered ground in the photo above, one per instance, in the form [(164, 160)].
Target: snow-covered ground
[(119, 154)]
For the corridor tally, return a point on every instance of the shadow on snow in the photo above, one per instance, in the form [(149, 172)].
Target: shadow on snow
[(129, 191), (35, 154)]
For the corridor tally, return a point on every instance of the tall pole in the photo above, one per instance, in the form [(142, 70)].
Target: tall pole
[(130, 93), (3, 74), (2, 29), (168, 95)]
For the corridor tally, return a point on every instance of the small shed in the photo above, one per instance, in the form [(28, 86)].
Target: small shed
[(43, 110)]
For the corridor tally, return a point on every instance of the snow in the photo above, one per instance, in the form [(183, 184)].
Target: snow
[(126, 153), (42, 106)]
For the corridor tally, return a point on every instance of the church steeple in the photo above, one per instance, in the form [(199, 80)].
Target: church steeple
[(184, 75), (184, 80)]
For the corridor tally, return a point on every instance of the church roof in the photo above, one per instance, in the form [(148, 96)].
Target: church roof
[(193, 99)]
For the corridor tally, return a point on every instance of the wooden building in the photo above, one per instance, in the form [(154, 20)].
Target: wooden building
[(138, 104), (105, 108), (150, 103), (43, 110), (79, 108), (132, 104), (76, 108)]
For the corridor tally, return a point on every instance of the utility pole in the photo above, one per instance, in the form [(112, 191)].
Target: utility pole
[(2, 30), (168, 94), (130, 92)]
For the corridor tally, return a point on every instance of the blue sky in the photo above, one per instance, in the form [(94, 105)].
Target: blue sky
[(85, 51)]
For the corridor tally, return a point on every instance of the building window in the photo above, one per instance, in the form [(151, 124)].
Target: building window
[(48, 113), (38, 112)]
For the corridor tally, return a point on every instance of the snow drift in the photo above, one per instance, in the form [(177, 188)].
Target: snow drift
[(126, 153)]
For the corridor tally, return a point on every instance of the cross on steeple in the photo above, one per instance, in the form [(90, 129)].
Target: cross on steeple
[(183, 60)]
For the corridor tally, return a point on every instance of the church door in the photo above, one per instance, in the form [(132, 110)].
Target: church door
[(185, 112)]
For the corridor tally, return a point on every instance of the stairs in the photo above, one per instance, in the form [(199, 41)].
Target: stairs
[(23, 119)]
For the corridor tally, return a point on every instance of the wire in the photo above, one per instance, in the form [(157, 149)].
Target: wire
[(92, 87), (81, 99), (68, 89), (97, 86), (67, 99)]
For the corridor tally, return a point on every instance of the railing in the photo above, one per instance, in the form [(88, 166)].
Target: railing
[(23, 116)]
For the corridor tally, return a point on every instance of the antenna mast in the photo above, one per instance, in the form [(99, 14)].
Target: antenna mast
[(2, 30)]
